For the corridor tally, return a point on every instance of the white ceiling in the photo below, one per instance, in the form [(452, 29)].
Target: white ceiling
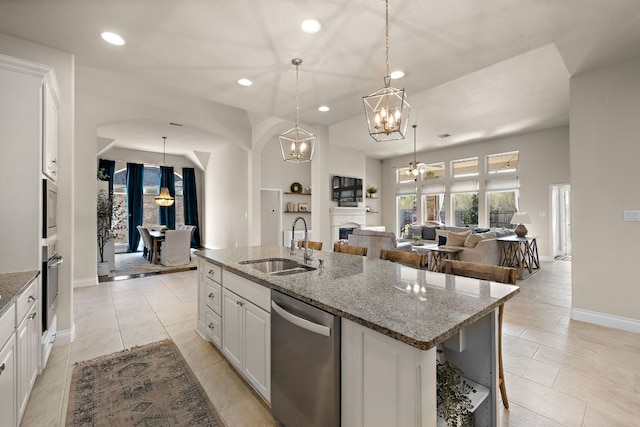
[(474, 69)]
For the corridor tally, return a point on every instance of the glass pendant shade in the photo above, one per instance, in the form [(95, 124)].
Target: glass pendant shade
[(164, 199), (297, 144)]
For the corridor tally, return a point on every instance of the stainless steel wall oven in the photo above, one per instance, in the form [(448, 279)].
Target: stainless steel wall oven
[(50, 263), (49, 207)]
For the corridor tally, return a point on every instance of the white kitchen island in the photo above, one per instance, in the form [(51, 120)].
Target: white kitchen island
[(393, 319)]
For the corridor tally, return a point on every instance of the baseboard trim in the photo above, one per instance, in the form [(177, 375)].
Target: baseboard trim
[(546, 258), (65, 337), (81, 283), (609, 320)]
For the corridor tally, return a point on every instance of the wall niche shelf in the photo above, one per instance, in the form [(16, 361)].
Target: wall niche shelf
[(297, 194)]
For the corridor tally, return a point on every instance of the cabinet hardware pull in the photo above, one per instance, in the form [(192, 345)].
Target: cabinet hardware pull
[(53, 338), (211, 295), (211, 272), (211, 326), (31, 298), (32, 315), (1, 368), (53, 161)]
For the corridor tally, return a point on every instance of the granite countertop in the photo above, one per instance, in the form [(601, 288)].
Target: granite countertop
[(12, 285), (418, 307)]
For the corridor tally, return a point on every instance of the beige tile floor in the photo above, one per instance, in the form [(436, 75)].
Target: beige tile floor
[(559, 372)]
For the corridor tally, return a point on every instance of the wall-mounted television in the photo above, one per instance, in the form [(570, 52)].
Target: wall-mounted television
[(346, 191)]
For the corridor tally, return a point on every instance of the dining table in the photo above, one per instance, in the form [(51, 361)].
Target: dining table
[(156, 238)]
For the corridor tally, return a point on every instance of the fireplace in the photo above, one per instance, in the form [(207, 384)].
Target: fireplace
[(343, 232), (345, 218)]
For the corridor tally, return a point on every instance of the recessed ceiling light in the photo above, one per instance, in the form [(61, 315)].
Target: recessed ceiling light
[(310, 26), (397, 75), (112, 38), (323, 108), (245, 82)]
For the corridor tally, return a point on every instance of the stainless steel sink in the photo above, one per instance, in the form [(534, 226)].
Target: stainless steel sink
[(278, 266)]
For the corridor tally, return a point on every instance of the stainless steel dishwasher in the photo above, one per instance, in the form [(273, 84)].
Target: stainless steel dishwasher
[(305, 363)]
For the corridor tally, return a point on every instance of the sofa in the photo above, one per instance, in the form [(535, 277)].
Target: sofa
[(478, 245), (375, 241)]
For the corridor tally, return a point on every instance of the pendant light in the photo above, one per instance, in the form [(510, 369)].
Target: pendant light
[(387, 109), (415, 168), (297, 144), (164, 198)]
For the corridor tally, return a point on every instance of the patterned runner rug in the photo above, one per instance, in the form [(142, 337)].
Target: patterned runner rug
[(151, 385)]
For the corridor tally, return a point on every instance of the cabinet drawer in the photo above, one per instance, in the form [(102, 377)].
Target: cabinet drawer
[(214, 296), (251, 291), (7, 324), (214, 327), (26, 301), (213, 272)]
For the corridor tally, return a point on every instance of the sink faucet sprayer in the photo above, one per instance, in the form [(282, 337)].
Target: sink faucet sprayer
[(307, 256)]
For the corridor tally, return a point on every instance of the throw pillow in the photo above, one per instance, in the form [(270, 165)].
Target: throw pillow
[(442, 240), (429, 233), (472, 240), (457, 239), (415, 230)]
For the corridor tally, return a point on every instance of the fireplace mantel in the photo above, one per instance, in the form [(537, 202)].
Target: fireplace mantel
[(345, 217)]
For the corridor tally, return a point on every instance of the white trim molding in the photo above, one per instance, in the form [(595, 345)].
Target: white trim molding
[(609, 320), (81, 283), (66, 337)]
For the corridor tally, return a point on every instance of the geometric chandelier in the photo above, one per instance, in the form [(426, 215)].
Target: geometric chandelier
[(297, 144), (164, 198), (387, 109)]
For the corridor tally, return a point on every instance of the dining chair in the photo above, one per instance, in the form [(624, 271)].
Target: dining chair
[(147, 252), (312, 245), (492, 273), (411, 259), (350, 249), (176, 248)]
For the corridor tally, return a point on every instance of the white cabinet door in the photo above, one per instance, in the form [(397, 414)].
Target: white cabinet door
[(214, 328), (8, 401), (257, 348), (23, 365), (385, 382), (232, 328), (50, 135)]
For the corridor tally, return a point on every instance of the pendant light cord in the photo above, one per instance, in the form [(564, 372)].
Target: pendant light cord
[(297, 94), (386, 33)]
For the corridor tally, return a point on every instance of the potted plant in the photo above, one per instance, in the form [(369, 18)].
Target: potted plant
[(110, 219), (454, 404), (371, 191)]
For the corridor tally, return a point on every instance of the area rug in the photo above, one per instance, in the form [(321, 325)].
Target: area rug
[(150, 385), (129, 265)]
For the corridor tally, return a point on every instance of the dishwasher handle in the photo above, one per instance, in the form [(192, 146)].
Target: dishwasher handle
[(302, 323)]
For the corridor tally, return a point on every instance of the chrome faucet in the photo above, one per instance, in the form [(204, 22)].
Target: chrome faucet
[(307, 256)]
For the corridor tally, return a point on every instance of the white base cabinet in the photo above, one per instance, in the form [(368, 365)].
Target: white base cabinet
[(234, 314), (8, 383)]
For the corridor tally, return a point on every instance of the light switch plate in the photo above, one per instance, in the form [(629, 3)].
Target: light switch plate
[(632, 215)]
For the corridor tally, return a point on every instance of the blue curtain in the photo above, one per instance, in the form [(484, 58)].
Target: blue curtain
[(167, 214), (135, 202), (190, 202), (108, 167)]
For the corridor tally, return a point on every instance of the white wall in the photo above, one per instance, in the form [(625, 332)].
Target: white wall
[(374, 178), (605, 127), (64, 66), (544, 160), (226, 204)]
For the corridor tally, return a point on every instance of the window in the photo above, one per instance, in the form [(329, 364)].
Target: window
[(150, 191), (465, 209), (502, 206), (464, 167), (403, 176), (433, 208), (406, 211), (434, 171), (503, 163)]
